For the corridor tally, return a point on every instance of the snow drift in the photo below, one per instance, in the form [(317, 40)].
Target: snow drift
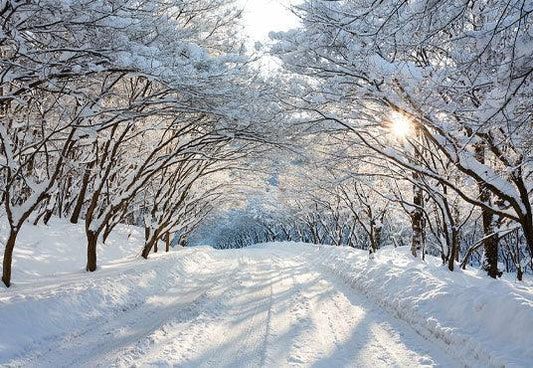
[(485, 322), (60, 248), (54, 298)]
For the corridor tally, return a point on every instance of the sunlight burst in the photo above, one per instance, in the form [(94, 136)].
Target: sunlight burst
[(401, 126)]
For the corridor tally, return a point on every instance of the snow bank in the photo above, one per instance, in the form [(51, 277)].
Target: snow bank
[(60, 248), (52, 296), (484, 322), (70, 305)]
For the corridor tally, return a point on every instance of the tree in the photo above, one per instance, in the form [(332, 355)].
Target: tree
[(100, 98), (432, 64)]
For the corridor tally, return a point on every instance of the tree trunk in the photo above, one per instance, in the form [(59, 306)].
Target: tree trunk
[(151, 243), (146, 233), (490, 241), (8, 257), (81, 197), (109, 229), (47, 216), (519, 273), (418, 238), (372, 248), (527, 228), (374, 239), (147, 248), (92, 240), (417, 220), (38, 218), (106, 233), (454, 253), (378, 229), (167, 242)]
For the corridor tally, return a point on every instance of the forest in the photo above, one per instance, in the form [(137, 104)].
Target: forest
[(371, 125), (386, 124)]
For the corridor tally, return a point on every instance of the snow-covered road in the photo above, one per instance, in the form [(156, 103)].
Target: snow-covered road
[(245, 308)]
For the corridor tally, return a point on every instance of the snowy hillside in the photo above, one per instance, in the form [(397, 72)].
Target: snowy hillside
[(279, 304), (61, 247)]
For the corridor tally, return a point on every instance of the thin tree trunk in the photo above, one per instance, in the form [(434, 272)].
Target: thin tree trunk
[(372, 249), (378, 230), (454, 254), (519, 273), (417, 220), (374, 239), (92, 240), (106, 233), (38, 218), (147, 248), (47, 216), (8, 257), (146, 233), (74, 218), (109, 229), (490, 243), (527, 228), (418, 238), (167, 242), (151, 242)]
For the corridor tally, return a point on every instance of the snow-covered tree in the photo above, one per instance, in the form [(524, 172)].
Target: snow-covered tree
[(453, 79)]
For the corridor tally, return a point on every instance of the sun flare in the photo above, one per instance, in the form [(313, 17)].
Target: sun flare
[(401, 126)]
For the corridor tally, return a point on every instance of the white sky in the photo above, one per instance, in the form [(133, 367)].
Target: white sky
[(264, 16)]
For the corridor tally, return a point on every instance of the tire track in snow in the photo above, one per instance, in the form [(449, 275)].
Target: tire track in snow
[(182, 334), (245, 338), (136, 324), (251, 308)]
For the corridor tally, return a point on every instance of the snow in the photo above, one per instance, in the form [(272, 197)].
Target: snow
[(60, 248), (483, 321), (271, 305)]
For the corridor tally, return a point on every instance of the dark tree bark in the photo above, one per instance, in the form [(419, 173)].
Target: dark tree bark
[(490, 244), (38, 218), (527, 227), (47, 216), (92, 240), (490, 241), (417, 220), (147, 248), (8, 257), (107, 232), (74, 218), (454, 253), (146, 233), (418, 238), (167, 242)]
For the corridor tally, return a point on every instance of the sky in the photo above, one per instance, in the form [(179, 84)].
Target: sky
[(264, 16)]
